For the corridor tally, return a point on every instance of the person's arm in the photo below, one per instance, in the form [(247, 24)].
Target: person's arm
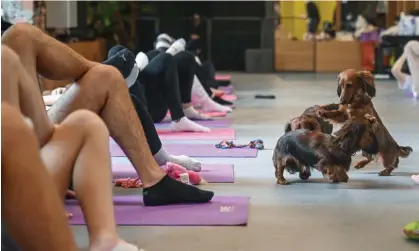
[(396, 70)]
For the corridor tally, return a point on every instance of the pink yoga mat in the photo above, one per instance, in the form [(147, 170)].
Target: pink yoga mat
[(221, 211), (227, 89), (196, 150), (222, 77), (209, 114), (213, 173), (229, 97), (218, 134), (216, 114), (207, 123)]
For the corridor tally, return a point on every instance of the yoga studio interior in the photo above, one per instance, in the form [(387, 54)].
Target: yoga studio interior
[(210, 125)]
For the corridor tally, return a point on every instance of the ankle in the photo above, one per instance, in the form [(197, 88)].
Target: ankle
[(186, 106), (152, 178), (105, 240)]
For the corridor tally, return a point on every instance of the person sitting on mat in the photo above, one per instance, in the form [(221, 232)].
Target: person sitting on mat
[(153, 140), (205, 73), (401, 68), (101, 89), (186, 62), (73, 152), (159, 81)]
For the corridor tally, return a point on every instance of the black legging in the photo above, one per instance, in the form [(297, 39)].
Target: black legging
[(150, 131), (185, 73), (161, 87)]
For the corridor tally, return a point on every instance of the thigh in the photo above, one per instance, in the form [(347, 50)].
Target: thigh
[(156, 104), (60, 153)]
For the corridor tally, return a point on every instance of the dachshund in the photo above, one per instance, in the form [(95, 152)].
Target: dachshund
[(311, 121), (350, 83), (302, 149)]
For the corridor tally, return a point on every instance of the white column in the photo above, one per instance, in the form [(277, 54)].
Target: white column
[(61, 14)]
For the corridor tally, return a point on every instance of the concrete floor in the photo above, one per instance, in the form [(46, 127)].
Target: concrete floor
[(368, 213)]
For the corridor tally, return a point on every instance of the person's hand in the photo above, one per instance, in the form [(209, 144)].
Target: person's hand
[(194, 36)]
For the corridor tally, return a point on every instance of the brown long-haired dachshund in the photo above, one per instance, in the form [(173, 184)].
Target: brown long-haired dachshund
[(311, 121), (302, 149), (350, 83)]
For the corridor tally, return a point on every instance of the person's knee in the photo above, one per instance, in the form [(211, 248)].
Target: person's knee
[(108, 78), (411, 47), (86, 122), (20, 34), (14, 129)]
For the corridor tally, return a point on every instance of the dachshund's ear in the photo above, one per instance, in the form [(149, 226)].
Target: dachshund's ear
[(287, 127), (368, 83), (339, 88)]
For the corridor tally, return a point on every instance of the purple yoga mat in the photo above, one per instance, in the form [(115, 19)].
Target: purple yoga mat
[(198, 150), (129, 211), (213, 173), (207, 123)]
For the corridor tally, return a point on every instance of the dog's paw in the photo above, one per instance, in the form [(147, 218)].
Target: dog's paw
[(385, 172), (282, 182), (359, 165)]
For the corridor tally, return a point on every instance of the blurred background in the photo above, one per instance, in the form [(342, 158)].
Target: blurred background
[(251, 36)]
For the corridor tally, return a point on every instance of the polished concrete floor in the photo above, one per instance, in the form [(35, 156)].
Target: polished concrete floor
[(368, 213)]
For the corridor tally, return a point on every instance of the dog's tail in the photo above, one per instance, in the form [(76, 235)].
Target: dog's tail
[(404, 151)]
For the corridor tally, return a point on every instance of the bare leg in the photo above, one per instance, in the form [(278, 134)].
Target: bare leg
[(38, 221), (101, 89), (411, 50), (21, 91), (79, 150)]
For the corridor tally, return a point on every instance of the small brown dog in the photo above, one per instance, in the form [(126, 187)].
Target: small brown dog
[(302, 149), (350, 84), (311, 121)]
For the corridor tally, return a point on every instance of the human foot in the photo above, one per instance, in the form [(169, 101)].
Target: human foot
[(112, 244), (169, 191), (187, 162), (176, 47), (124, 61), (186, 125), (222, 101), (162, 157), (193, 114)]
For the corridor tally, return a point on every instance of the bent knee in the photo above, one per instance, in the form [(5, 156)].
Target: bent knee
[(412, 46), (19, 33), (86, 121), (109, 77)]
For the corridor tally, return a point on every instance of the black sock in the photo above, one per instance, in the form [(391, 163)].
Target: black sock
[(222, 101), (170, 191)]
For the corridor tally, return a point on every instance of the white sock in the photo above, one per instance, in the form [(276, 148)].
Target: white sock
[(204, 100), (176, 47), (142, 60), (193, 114), (162, 157), (126, 247), (186, 125)]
